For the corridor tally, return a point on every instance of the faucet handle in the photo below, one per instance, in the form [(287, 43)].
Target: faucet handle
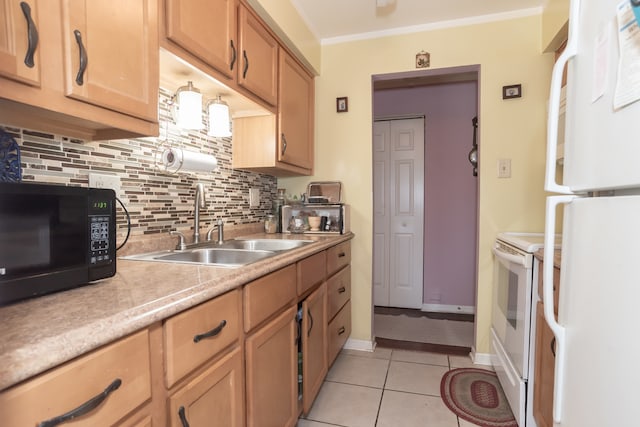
[(220, 226), (181, 245)]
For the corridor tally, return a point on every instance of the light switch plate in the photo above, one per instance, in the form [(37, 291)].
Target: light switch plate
[(504, 168), (254, 197)]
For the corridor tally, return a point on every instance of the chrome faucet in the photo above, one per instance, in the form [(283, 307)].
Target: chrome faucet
[(199, 202), (220, 226)]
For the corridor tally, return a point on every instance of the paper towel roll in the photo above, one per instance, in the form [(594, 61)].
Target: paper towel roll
[(178, 159)]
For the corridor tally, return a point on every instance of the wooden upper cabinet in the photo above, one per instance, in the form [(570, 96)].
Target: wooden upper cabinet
[(258, 57), (207, 29), (111, 54), (295, 114), (19, 47)]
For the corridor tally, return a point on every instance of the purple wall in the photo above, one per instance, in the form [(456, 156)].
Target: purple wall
[(450, 187)]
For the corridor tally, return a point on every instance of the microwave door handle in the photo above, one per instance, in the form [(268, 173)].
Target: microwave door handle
[(520, 260)]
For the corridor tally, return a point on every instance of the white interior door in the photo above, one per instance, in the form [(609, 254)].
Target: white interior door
[(398, 185)]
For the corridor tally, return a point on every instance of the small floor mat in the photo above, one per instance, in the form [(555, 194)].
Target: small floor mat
[(475, 395)]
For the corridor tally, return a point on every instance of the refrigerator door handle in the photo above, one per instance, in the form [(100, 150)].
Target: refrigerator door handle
[(547, 300), (570, 50)]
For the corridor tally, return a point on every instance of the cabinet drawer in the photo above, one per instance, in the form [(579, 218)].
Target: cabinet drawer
[(338, 256), (311, 271), (338, 332), (339, 291), (193, 337), (216, 394), (265, 296), (71, 385)]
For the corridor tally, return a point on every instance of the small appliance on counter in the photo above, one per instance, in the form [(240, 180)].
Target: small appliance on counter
[(54, 237), (321, 212)]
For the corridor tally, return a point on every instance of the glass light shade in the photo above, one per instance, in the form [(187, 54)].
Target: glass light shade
[(219, 120), (189, 107)]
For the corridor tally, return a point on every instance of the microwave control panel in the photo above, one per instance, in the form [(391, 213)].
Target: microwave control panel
[(100, 230), (99, 239)]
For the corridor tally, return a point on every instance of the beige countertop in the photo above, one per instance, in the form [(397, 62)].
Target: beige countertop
[(41, 333)]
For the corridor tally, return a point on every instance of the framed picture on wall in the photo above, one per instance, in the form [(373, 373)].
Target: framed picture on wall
[(513, 91), (342, 104)]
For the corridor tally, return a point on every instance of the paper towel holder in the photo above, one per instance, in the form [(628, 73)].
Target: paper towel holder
[(164, 159)]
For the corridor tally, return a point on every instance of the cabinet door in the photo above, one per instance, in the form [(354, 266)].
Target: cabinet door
[(314, 345), (258, 56), (271, 370), (19, 48), (544, 371), (206, 29), (111, 54), (295, 140), (215, 396)]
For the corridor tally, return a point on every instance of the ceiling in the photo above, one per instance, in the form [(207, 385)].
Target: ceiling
[(336, 19)]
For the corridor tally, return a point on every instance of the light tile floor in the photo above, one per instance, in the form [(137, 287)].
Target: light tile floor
[(386, 388)]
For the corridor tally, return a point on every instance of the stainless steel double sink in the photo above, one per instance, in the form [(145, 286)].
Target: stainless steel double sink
[(231, 253)]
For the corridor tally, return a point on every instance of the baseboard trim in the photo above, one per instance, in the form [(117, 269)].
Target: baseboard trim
[(360, 345), (443, 308), (481, 358)]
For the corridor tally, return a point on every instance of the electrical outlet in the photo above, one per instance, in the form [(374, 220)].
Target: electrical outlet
[(504, 168), (254, 197), (105, 181)]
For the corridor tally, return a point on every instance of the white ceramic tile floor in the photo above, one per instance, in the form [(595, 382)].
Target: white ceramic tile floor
[(385, 388)]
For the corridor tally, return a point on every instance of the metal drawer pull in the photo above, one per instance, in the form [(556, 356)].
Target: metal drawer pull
[(284, 145), (83, 58), (183, 417), (342, 255), (310, 323), (246, 64), (553, 346), (341, 290), (212, 333), (32, 35), (341, 330), (234, 55), (85, 408)]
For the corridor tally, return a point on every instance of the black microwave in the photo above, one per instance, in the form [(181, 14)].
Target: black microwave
[(54, 238)]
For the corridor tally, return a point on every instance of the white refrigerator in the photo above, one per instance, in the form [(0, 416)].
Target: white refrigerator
[(597, 377)]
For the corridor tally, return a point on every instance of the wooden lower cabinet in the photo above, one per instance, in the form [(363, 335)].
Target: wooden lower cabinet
[(314, 345), (339, 330), (271, 373), (215, 396), (119, 370), (544, 371)]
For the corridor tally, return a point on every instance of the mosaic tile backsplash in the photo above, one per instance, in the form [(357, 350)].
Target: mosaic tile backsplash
[(157, 201)]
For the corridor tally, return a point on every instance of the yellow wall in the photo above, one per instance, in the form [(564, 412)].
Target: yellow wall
[(509, 52), (285, 20), (555, 20)]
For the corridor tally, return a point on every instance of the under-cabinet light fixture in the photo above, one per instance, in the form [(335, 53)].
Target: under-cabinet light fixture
[(219, 120), (187, 105)]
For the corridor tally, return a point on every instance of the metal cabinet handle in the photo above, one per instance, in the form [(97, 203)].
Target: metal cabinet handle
[(284, 144), (342, 290), (212, 333), (310, 323), (183, 417), (83, 58), (246, 64), (342, 255), (341, 330), (32, 35), (553, 346), (85, 408), (234, 55)]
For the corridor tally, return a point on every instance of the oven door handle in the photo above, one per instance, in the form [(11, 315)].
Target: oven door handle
[(520, 260)]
